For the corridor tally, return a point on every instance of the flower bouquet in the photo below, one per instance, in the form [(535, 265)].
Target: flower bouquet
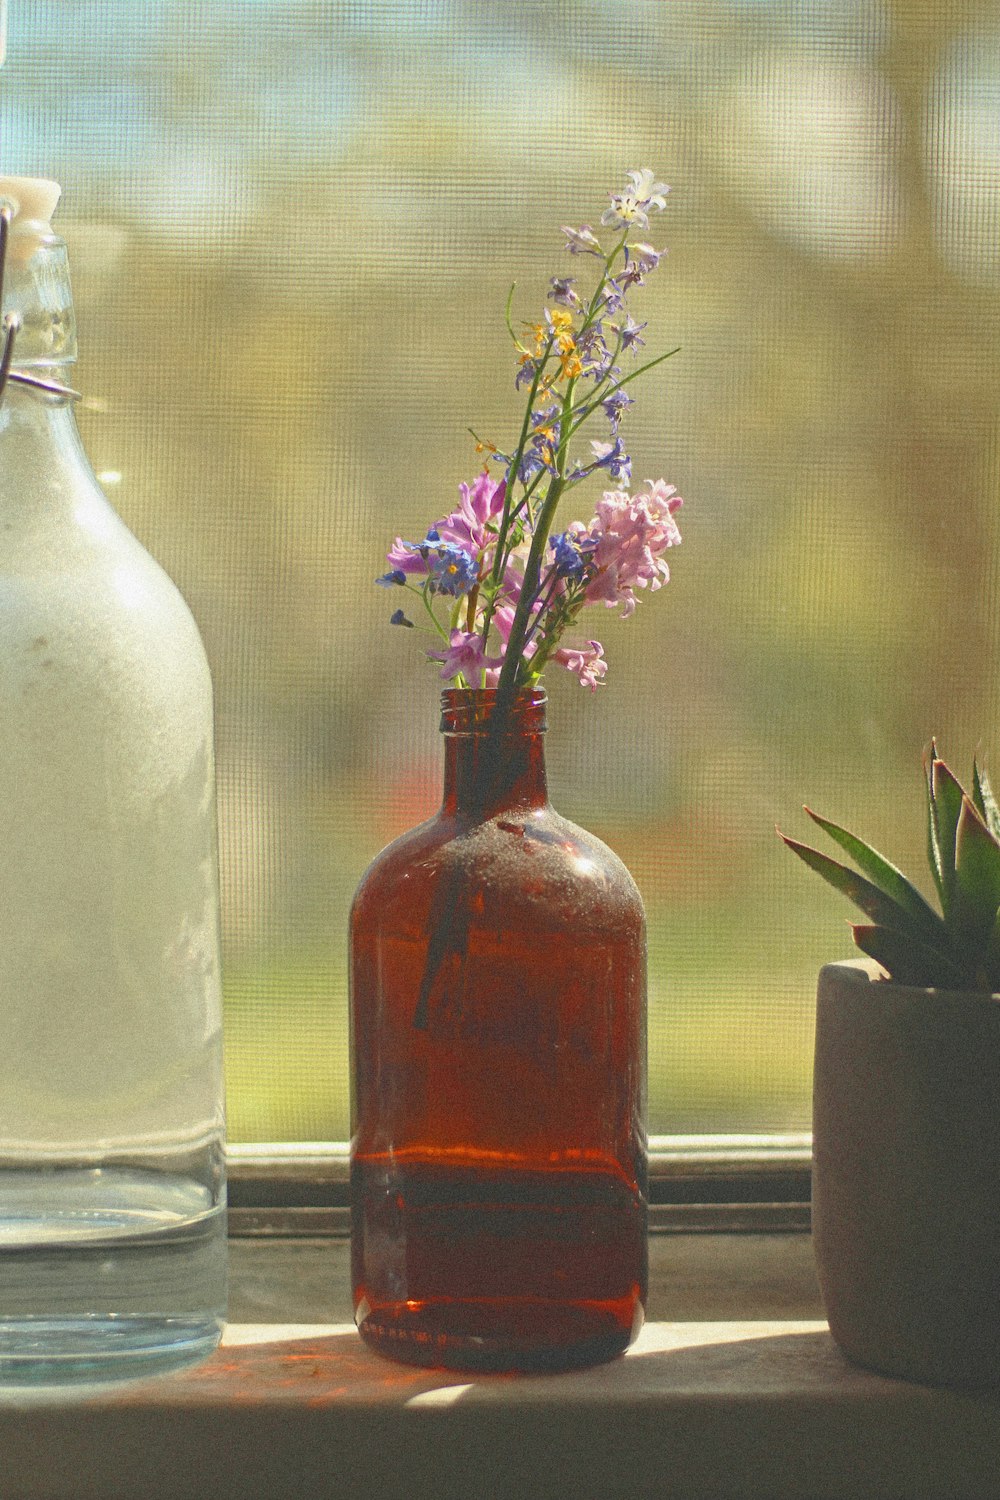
[(498, 588)]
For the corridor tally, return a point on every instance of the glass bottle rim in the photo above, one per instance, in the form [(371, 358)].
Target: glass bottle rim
[(470, 710)]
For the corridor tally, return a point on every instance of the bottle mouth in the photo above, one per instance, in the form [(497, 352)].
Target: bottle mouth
[(472, 710), (31, 202), (37, 299)]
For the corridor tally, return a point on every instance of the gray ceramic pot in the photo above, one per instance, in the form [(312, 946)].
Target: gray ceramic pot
[(906, 1186)]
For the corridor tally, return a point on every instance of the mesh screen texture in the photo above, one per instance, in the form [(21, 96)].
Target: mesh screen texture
[(293, 227)]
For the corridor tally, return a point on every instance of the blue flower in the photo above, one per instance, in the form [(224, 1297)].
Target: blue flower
[(594, 353), (387, 580), (453, 570), (398, 618), (546, 418), (571, 555), (450, 569), (613, 297), (531, 464)]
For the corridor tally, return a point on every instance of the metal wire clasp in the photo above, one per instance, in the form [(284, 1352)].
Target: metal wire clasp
[(12, 327)]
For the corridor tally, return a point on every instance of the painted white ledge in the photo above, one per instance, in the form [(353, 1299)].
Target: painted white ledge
[(694, 1410)]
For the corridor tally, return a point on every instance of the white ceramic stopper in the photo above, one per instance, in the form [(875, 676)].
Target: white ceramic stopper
[(33, 201)]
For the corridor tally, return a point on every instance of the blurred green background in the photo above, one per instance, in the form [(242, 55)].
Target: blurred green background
[(293, 226)]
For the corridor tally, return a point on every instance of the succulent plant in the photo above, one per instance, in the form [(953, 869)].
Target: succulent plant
[(959, 949)]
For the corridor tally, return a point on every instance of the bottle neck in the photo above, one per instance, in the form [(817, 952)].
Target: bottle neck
[(42, 458), (492, 767), (44, 470), (38, 294)]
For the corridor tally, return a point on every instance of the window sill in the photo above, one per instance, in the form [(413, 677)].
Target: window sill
[(744, 1395)]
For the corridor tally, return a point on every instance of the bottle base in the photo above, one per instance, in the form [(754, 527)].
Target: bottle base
[(498, 1337), (75, 1351), (107, 1273)]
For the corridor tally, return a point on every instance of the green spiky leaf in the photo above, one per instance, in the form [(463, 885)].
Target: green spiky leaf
[(977, 877), (984, 800), (873, 902), (933, 848), (946, 809), (907, 960), (884, 875), (960, 950)]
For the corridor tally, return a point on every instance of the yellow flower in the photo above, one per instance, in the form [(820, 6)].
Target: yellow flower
[(541, 334)]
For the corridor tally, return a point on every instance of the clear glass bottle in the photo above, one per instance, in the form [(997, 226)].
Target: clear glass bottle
[(112, 1183), (498, 1026)]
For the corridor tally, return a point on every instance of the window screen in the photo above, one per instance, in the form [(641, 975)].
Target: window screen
[(293, 226)]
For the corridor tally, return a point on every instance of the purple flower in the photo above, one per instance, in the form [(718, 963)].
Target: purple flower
[(387, 580), (582, 241), (595, 356), (525, 372), (465, 655), (398, 618), (615, 405), (612, 456), (532, 463), (644, 256), (544, 442), (629, 331), (544, 421), (561, 291)]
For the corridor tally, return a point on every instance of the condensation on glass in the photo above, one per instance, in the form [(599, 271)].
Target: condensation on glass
[(112, 1221)]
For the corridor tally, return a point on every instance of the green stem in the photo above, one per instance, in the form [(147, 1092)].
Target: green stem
[(507, 682), (499, 555), (427, 605)]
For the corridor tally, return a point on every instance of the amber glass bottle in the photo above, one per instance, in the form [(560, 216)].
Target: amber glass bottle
[(498, 1163)]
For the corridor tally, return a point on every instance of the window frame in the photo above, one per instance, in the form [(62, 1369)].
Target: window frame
[(722, 1183)]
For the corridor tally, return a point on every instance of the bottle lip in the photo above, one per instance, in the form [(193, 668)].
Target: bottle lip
[(470, 710), (32, 202)]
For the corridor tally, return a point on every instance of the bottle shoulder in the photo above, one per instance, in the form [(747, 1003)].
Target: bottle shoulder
[(521, 860)]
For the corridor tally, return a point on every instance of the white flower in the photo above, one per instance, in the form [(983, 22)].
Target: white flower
[(649, 193), (631, 207)]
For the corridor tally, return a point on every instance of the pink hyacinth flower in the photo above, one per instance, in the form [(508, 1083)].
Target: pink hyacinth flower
[(632, 533), (585, 661), (480, 502), (402, 558), (465, 655)]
